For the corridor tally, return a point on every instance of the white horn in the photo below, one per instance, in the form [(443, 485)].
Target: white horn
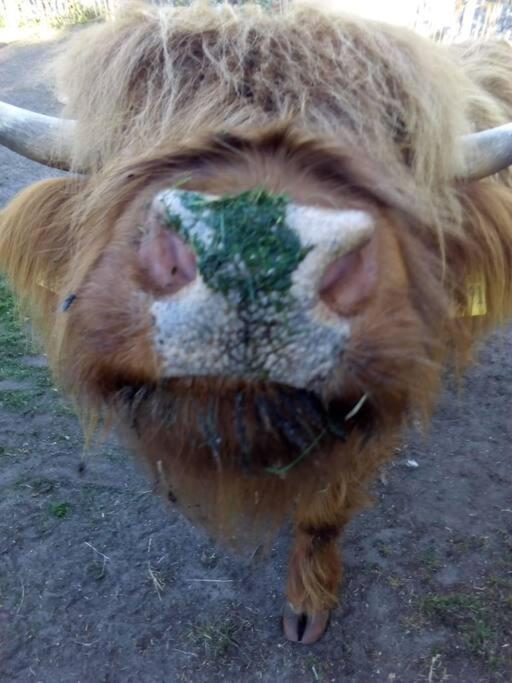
[(487, 152), (45, 139)]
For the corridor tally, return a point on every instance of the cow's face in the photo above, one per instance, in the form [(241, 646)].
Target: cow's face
[(261, 268)]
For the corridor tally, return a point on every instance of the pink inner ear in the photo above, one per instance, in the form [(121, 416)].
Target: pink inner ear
[(350, 280), (166, 261)]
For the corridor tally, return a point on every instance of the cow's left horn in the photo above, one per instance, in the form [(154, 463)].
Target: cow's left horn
[(487, 152), (45, 139)]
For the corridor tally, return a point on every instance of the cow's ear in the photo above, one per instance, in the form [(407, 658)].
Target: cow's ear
[(479, 257), (36, 242)]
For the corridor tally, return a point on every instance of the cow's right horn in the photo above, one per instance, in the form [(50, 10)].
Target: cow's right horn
[(487, 152), (45, 139)]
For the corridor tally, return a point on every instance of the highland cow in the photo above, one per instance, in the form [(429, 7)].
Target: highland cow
[(280, 230)]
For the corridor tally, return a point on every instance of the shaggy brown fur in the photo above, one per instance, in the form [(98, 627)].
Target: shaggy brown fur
[(334, 111)]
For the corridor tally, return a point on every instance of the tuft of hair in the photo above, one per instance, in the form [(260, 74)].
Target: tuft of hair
[(36, 241), (161, 74), (487, 65)]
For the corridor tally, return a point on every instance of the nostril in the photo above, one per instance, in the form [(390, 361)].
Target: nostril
[(340, 269), (350, 280), (166, 262)]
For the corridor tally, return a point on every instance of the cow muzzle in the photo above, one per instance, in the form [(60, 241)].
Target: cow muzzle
[(254, 286)]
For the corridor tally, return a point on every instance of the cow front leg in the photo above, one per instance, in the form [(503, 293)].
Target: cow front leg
[(314, 573), (314, 569)]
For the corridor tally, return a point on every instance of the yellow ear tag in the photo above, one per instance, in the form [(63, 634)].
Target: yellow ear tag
[(476, 302)]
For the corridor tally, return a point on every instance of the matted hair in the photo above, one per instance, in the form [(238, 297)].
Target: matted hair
[(158, 74)]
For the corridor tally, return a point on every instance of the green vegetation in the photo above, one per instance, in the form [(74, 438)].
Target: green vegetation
[(16, 344), (250, 255), (26, 386), (16, 400), (481, 618), (12, 340), (59, 509), (76, 13), (56, 14), (217, 639), (50, 13), (430, 561), (384, 550)]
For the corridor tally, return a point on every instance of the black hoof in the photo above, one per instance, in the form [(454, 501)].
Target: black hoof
[(300, 627)]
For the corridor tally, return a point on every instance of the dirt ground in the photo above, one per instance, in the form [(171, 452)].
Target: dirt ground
[(100, 582)]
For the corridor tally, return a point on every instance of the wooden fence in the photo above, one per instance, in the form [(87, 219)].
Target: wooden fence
[(16, 13), (470, 18)]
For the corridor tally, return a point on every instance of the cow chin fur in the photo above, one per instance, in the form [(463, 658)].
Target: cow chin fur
[(236, 457)]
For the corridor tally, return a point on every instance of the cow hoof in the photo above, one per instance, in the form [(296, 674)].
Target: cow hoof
[(300, 627)]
